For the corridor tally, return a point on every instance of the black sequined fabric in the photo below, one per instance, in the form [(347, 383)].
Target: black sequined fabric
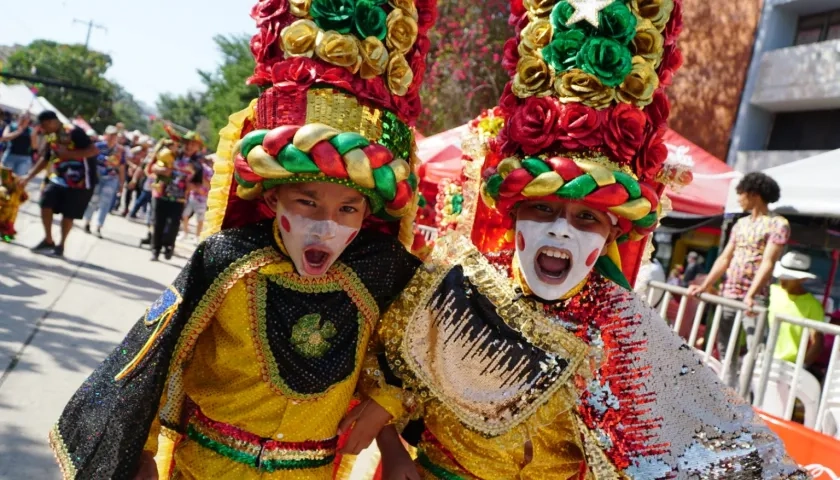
[(104, 427)]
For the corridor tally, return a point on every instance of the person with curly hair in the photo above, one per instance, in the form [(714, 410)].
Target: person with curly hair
[(755, 245)]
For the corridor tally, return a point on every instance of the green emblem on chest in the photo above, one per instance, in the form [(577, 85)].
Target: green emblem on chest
[(310, 336)]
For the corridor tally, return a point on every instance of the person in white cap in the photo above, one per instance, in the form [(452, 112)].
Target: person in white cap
[(789, 297)]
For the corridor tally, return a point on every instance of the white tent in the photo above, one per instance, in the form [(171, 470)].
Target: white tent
[(809, 187), (16, 98), (44, 104)]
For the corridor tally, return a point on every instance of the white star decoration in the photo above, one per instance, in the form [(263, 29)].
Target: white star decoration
[(587, 10)]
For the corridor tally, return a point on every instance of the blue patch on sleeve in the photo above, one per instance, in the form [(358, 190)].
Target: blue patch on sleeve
[(165, 305)]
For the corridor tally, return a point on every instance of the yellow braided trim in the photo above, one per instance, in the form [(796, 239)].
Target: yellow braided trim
[(409, 213), (68, 470), (217, 199)]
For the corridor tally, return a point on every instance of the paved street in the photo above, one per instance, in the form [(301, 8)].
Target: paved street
[(58, 319)]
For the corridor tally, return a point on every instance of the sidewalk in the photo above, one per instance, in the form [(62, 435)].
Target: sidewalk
[(58, 319)]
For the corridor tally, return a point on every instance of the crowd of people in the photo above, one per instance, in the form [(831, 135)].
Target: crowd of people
[(89, 177)]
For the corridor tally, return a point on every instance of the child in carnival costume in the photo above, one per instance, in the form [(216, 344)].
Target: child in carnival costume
[(12, 195), (245, 366), (527, 352)]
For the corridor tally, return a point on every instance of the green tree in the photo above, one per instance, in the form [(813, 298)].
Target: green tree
[(73, 65), (225, 92), (124, 108)]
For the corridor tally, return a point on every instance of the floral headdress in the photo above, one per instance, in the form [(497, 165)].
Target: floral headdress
[(582, 119), (342, 81)]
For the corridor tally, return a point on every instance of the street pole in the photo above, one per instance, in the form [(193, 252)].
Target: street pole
[(90, 27)]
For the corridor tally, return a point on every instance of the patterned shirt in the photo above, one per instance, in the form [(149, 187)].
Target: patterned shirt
[(174, 188), (80, 174), (751, 237), (110, 159), (199, 194)]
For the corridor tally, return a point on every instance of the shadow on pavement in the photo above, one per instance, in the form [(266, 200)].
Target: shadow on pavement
[(24, 457)]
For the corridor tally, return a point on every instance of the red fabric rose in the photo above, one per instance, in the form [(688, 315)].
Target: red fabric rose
[(408, 108), (422, 44), (650, 159), (579, 127), (337, 77), (535, 124), (672, 60), (519, 23), (659, 110), (508, 102), (624, 131), (373, 91), (675, 24), (502, 145), (426, 15), (268, 10), (264, 45), (417, 62), (511, 56), (296, 72), (517, 8)]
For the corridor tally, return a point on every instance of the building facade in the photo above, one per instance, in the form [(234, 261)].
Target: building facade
[(790, 107)]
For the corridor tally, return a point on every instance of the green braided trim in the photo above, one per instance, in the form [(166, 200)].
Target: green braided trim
[(436, 470), (251, 460)]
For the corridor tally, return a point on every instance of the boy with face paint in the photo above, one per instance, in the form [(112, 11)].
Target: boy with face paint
[(521, 344), (247, 365)]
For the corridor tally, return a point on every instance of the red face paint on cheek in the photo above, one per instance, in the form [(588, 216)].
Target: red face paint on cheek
[(284, 222), (352, 237), (520, 241), (590, 260)]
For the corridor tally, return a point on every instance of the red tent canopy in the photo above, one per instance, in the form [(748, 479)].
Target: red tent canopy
[(706, 196)]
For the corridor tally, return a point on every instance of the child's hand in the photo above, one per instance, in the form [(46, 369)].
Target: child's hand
[(396, 463), (366, 420), (399, 467), (148, 468)]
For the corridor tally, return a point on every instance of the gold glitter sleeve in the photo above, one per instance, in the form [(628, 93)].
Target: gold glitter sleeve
[(374, 384)]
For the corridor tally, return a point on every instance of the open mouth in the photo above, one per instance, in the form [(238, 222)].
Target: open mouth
[(316, 260), (553, 264)]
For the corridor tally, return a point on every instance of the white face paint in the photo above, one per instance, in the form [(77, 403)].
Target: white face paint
[(313, 245), (555, 257)]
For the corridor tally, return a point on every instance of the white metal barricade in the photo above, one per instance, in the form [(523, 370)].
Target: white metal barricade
[(731, 354), (828, 412)]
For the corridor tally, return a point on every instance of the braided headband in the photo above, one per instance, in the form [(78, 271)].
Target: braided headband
[(514, 180), (319, 153)]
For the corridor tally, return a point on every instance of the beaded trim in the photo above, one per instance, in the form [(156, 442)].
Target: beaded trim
[(261, 453), (59, 448)]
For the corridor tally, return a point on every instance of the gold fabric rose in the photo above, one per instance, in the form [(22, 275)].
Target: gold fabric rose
[(539, 8), (402, 31), (374, 58), (400, 75), (535, 36), (648, 42), (638, 87), (298, 39), (338, 49), (577, 86), (407, 6), (657, 11), (300, 8), (533, 77)]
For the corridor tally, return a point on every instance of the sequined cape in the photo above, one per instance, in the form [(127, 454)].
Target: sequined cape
[(643, 404), (105, 425)]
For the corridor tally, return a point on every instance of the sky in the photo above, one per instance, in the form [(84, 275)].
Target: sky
[(156, 45)]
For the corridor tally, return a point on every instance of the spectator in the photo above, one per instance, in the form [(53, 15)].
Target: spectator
[(694, 267), (111, 168), (754, 247), (20, 145), (676, 275), (72, 177), (789, 297), (197, 201), (133, 189)]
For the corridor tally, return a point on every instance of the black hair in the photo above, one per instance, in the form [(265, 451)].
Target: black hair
[(760, 184), (47, 115)]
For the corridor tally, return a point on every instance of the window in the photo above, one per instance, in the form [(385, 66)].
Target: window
[(816, 130), (818, 28)]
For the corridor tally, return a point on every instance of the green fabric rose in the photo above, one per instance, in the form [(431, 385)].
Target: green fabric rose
[(617, 22), (337, 15), (370, 20), (561, 13), (607, 59), (562, 52)]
